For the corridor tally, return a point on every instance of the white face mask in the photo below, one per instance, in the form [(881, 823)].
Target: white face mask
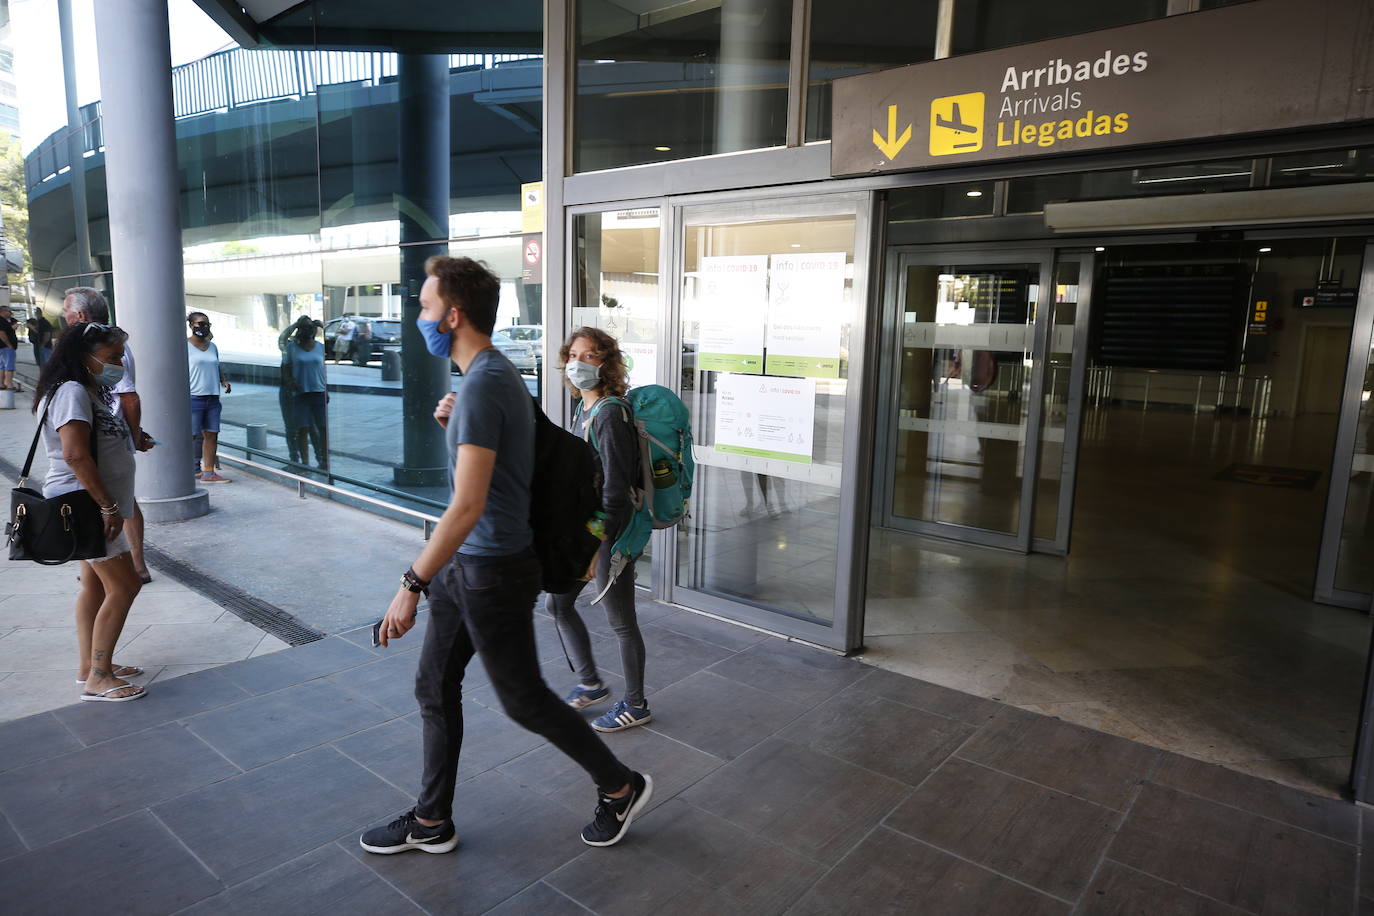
[(584, 376)]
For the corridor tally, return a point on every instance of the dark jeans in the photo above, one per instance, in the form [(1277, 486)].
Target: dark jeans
[(489, 610), (620, 614)]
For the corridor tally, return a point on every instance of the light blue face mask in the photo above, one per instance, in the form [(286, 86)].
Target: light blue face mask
[(110, 376), (439, 343), (584, 376)]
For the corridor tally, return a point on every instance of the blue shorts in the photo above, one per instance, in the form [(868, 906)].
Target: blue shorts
[(7, 360), (205, 410)]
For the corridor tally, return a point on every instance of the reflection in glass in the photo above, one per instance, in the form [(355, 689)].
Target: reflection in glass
[(766, 314), (617, 290), (981, 25), (963, 395), (861, 36), (690, 79), (1055, 415)]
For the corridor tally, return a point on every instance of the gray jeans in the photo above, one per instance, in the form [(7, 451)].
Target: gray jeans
[(620, 614)]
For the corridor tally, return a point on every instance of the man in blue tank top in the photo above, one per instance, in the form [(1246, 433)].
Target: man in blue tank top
[(482, 578)]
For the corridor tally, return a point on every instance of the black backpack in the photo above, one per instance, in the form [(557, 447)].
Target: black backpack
[(565, 495)]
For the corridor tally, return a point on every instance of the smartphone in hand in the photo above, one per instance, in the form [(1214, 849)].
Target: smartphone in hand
[(377, 633)]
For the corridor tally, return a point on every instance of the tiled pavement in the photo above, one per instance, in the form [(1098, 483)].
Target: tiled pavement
[(787, 780)]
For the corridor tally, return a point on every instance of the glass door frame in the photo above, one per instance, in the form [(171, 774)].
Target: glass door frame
[(898, 260)]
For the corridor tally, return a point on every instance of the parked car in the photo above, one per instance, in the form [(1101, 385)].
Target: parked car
[(521, 354), (386, 335), (532, 334)]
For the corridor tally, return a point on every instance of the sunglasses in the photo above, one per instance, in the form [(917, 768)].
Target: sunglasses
[(200, 324), (94, 326)]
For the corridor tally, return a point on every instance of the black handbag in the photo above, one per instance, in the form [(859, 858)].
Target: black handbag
[(58, 530)]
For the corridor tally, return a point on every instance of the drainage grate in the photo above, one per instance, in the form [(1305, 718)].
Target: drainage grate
[(281, 624)]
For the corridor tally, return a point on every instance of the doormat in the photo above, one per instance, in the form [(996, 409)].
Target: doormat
[(1264, 475)]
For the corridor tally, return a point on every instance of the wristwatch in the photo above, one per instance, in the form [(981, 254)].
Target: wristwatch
[(413, 583)]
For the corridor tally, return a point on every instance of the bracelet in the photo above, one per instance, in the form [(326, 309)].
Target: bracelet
[(413, 583), (111, 509)]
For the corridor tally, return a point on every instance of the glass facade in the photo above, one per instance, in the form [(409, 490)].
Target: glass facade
[(315, 184), (679, 81)]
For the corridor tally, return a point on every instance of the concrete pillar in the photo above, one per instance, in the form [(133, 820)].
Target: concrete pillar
[(145, 242), (744, 53), (76, 146), (422, 205)]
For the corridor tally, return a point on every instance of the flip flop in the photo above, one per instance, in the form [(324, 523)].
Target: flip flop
[(124, 671), (145, 578), (104, 695)]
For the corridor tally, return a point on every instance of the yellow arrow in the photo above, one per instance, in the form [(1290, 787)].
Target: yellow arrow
[(892, 144)]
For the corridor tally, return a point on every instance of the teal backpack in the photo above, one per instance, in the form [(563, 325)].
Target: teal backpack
[(665, 459)]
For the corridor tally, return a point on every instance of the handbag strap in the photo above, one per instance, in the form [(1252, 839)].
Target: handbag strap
[(37, 434)]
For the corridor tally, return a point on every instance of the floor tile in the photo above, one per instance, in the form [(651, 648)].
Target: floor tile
[(277, 670), (810, 802), (173, 607), (984, 664), (39, 648), (27, 693), (674, 766), (268, 645), (34, 738), (708, 629), (170, 671), (1331, 817), (668, 657), (388, 682), (261, 729), (690, 711), (1098, 716), (393, 750), (292, 806), (1239, 858), (1101, 768), (884, 736), (1121, 891), (539, 898), (10, 843), (133, 862), (1326, 777), (55, 798), (637, 883), (509, 839), (176, 699), (748, 870), (892, 873), (999, 822), (192, 643), (325, 882), (910, 691), (790, 672)]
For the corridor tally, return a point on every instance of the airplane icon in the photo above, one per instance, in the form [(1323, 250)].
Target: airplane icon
[(955, 122)]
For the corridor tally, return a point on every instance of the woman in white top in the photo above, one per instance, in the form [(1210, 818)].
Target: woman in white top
[(73, 396), (207, 378)]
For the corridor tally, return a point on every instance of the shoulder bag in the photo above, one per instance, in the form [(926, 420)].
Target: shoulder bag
[(54, 531)]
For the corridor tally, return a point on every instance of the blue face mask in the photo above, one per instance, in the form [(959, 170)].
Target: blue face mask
[(110, 375), (439, 343)]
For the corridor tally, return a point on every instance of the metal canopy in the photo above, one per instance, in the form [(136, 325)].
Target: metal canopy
[(407, 26)]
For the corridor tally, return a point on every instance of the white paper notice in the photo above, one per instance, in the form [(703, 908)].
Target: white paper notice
[(765, 416), (732, 300), (641, 359), (805, 305)]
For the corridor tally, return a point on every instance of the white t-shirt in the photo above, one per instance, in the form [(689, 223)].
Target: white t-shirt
[(346, 330), (114, 455), (204, 368)]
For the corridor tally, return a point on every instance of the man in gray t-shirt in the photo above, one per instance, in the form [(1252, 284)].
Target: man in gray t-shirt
[(482, 579)]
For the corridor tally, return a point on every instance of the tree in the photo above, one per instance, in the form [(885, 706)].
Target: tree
[(14, 203)]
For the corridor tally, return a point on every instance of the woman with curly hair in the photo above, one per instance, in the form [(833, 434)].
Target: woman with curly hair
[(73, 399), (594, 371)]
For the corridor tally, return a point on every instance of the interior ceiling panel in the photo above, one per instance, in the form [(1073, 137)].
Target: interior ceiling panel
[(417, 26)]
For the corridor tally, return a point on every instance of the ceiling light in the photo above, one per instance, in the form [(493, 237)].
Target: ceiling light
[(796, 244), (1099, 248), (1265, 250), (974, 193), (662, 149)]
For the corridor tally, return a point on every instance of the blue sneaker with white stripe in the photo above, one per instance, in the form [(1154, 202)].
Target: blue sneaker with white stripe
[(581, 697), (621, 717)]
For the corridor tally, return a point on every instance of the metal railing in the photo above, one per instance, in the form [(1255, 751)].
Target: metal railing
[(1215, 391), (240, 77)]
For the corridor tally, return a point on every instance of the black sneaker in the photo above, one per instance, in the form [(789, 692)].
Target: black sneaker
[(614, 815), (407, 833)]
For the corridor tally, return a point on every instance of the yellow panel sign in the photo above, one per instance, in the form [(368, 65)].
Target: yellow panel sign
[(532, 207), (956, 124)]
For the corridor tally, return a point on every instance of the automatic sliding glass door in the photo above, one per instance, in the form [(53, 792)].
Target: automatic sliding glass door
[(964, 395)]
